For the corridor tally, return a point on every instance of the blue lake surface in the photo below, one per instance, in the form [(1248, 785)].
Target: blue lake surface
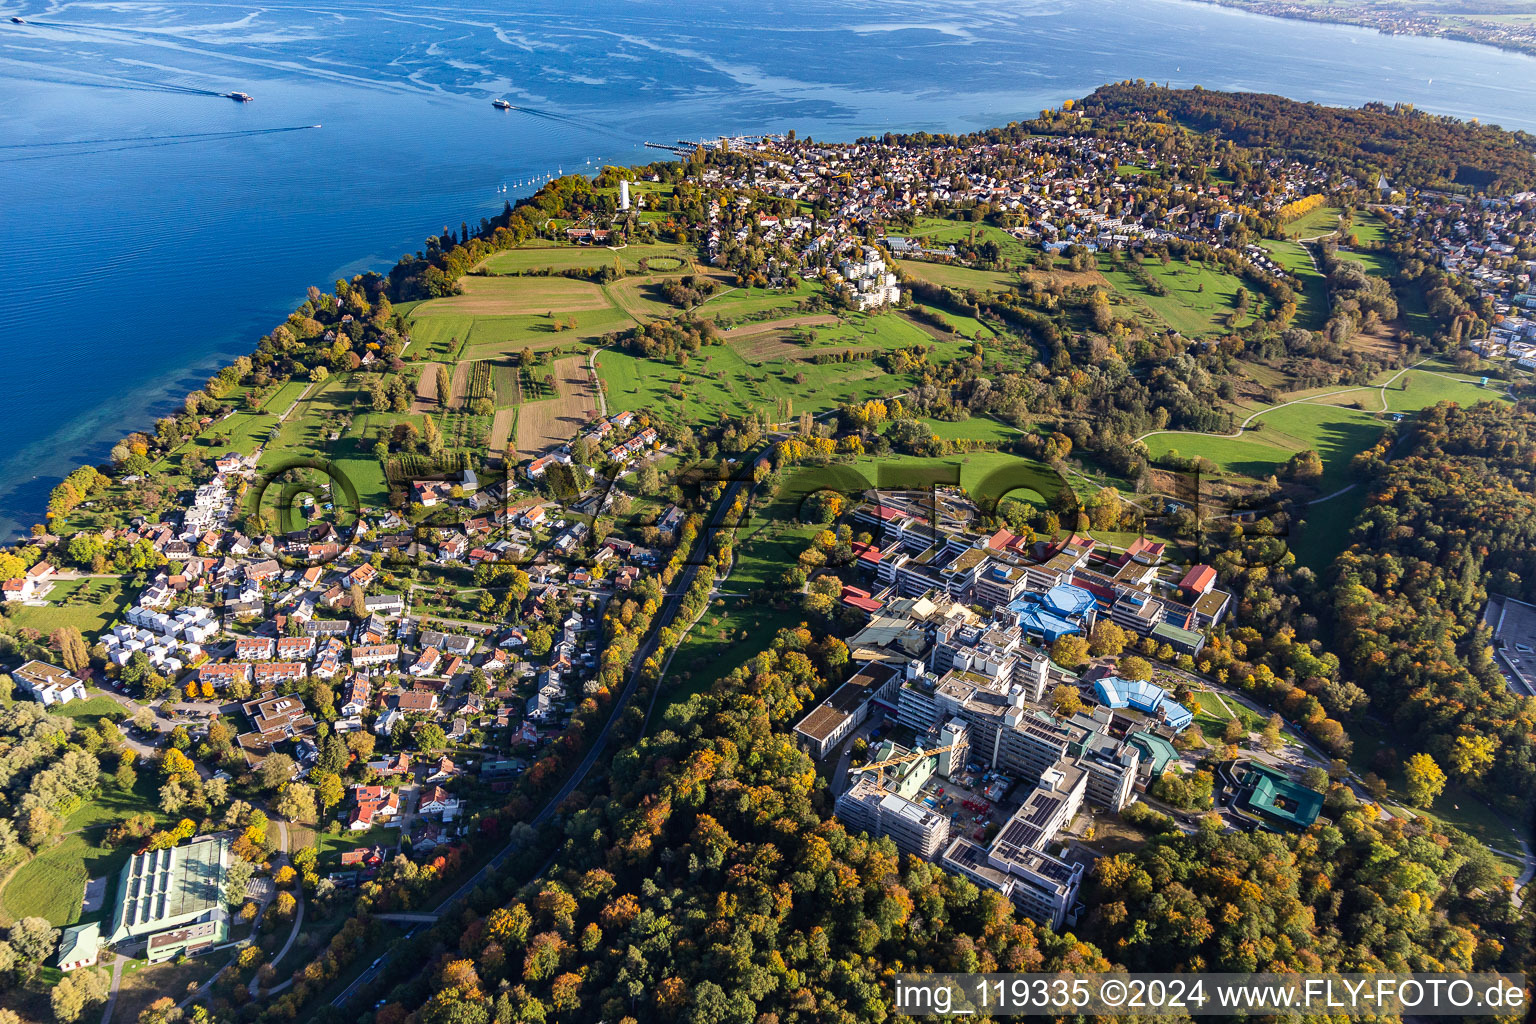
[(150, 230)]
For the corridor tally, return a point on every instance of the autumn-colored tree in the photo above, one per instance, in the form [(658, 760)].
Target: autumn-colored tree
[(1134, 667), (1066, 700), (1070, 651), (1424, 780)]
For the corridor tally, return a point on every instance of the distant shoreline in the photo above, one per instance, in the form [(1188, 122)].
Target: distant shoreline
[(1425, 25)]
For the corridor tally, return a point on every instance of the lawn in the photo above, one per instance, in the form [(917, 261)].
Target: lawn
[(91, 710), (52, 883), (306, 434), (330, 846), (986, 476), (1253, 458), (1330, 426), (1336, 433), (755, 605), (1324, 530), (936, 232), (1369, 229), (731, 303), (91, 605), (112, 804), (966, 326), (280, 399), (1425, 387), (1212, 718), (1377, 264)]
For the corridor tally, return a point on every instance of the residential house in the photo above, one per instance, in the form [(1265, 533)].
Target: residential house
[(48, 684), (438, 801), (373, 805), (255, 648)]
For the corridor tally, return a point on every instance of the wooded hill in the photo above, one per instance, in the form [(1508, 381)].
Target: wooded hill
[(1411, 147)]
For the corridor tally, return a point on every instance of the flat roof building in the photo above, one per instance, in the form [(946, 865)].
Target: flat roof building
[(831, 721), (1016, 863), (163, 894), (915, 829)]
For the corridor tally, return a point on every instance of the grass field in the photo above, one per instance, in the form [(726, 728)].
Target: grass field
[(1322, 221), (965, 326), (306, 435), (1312, 299), (977, 428), (52, 883), (1199, 300), (960, 278), (755, 605), (515, 296), (720, 378), (91, 605), (574, 257), (984, 475), (1330, 425), (732, 302), (1369, 229), (936, 232)]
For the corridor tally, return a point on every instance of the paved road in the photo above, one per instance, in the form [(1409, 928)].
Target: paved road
[(163, 725), (284, 850), (599, 750), (117, 979)]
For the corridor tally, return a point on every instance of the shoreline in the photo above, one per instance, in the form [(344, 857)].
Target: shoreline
[(158, 398), (1289, 10)]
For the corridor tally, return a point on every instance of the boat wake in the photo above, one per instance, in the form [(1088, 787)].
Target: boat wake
[(73, 147)]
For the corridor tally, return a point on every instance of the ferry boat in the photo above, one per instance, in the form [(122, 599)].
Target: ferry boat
[(501, 104), (240, 97)]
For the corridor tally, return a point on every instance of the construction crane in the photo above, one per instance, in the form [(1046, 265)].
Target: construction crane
[(909, 756)]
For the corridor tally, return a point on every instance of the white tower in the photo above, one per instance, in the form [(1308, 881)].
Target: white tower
[(624, 195)]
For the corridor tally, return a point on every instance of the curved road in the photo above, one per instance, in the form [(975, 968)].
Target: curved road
[(664, 617)]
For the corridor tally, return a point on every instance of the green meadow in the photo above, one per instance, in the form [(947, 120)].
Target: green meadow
[(1199, 300), (960, 278), (577, 257)]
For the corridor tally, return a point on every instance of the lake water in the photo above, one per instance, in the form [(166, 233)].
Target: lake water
[(150, 230)]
